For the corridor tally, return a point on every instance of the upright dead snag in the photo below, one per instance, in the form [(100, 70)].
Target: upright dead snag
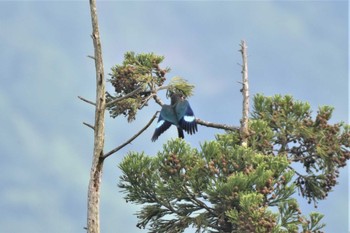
[(93, 220), (245, 92)]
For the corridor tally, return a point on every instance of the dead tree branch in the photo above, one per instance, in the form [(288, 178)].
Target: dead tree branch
[(158, 100), (245, 92), (131, 139), (216, 125), (87, 101), (88, 125), (202, 122)]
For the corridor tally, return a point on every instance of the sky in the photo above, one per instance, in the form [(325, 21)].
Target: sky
[(295, 47)]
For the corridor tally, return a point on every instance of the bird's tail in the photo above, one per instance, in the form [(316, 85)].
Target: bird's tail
[(180, 132)]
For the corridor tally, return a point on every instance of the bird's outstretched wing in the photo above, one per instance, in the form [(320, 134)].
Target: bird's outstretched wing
[(162, 126), (166, 118), (185, 116)]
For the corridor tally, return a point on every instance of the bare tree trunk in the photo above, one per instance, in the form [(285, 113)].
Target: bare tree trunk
[(93, 220), (245, 93)]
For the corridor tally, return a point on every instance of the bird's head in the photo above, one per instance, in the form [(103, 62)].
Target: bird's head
[(176, 97)]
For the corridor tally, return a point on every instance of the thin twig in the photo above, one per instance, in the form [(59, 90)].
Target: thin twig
[(88, 125), (87, 101), (216, 125), (124, 97), (131, 139), (90, 56)]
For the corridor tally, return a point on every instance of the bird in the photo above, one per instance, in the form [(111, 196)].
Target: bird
[(178, 113)]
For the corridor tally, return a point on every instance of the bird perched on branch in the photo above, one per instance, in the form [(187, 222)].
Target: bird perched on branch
[(178, 113)]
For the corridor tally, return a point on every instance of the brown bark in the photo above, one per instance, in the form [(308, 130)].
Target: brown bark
[(93, 220), (245, 92)]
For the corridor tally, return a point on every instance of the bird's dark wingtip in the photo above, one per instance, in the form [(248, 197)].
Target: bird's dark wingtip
[(180, 133)]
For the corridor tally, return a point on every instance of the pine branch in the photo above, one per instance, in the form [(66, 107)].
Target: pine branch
[(124, 97), (198, 202)]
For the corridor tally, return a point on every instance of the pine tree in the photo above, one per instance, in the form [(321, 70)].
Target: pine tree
[(226, 187), (241, 182), (244, 180)]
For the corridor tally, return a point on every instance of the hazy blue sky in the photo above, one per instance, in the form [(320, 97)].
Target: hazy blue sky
[(295, 47)]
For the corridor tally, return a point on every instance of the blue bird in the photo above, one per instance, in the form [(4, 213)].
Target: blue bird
[(180, 114)]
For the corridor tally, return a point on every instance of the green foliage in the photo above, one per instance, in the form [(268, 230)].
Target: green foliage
[(138, 71), (141, 73), (181, 86), (222, 188), (225, 187), (286, 127), (313, 224)]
